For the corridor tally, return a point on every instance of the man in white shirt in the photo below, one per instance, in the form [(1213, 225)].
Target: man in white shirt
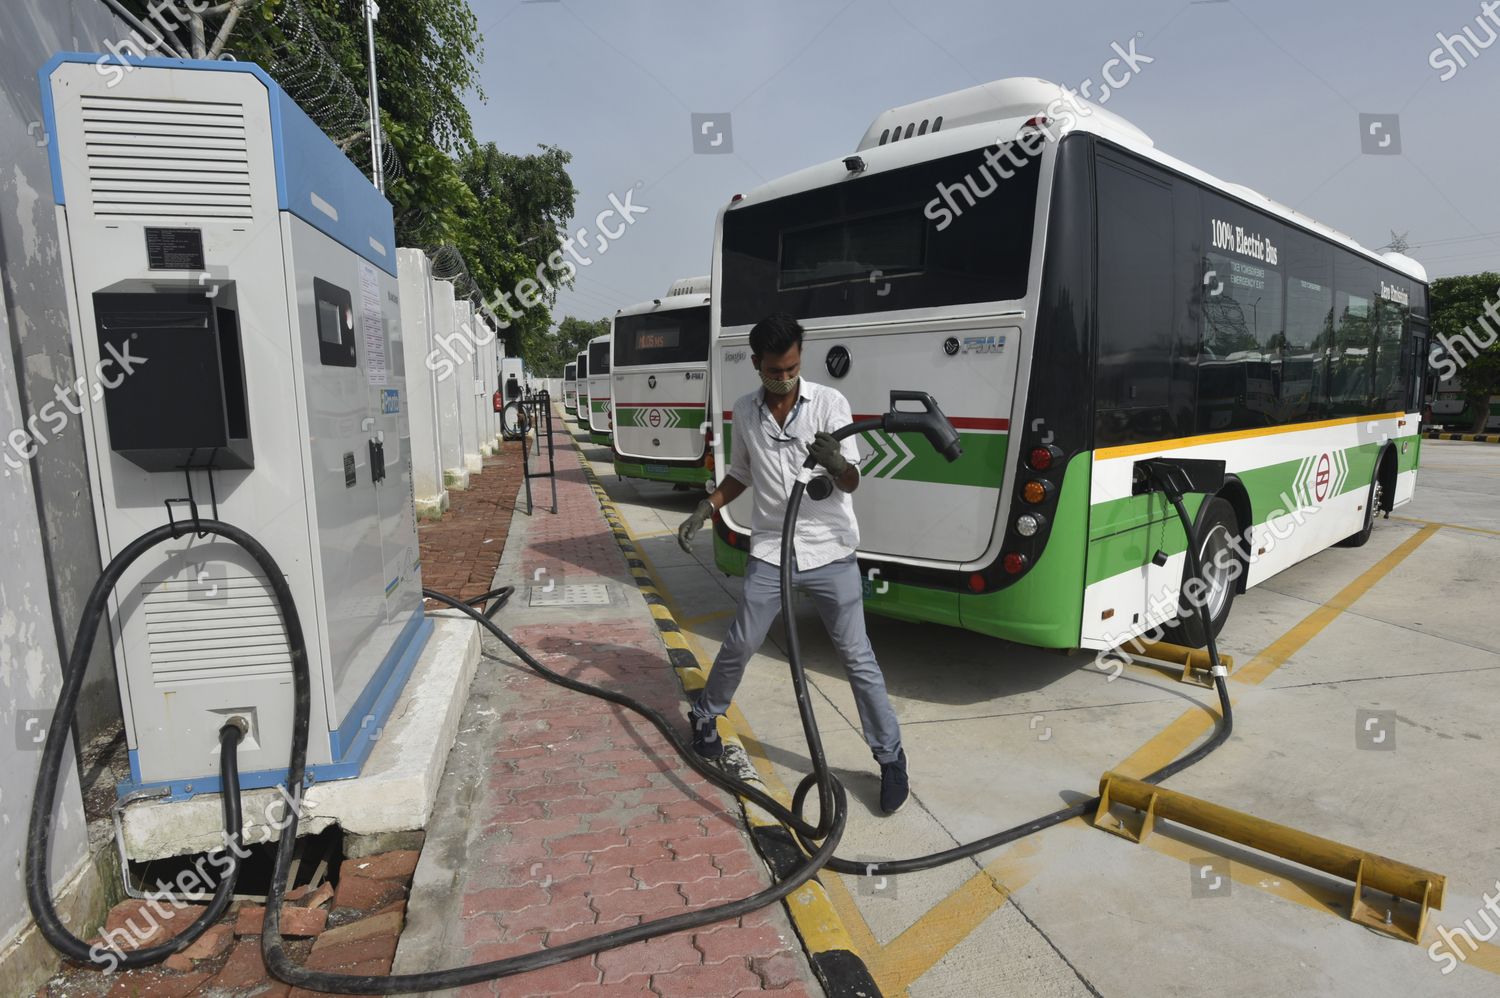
[(775, 428)]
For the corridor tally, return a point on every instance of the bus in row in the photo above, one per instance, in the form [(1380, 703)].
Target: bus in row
[(1451, 409), (598, 420), (1076, 300), (659, 387), (570, 389), (581, 401)]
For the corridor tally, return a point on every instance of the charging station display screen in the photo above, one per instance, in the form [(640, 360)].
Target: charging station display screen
[(334, 314), (330, 323)]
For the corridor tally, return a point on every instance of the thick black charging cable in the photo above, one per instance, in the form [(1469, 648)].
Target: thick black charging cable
[(832, 800), (1165, 480)]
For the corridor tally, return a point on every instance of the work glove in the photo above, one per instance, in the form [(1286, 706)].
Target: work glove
[(825, 450), (692, 524)]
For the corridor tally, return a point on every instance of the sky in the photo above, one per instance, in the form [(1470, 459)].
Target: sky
[(1266, 94)]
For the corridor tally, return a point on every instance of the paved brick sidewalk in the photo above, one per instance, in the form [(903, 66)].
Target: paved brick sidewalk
[(576, 816), (460, 551)]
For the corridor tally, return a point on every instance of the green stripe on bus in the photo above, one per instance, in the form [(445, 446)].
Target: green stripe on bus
[(1126, 533), (912, 459), (670, 473), (1044, 608), (670, 418)]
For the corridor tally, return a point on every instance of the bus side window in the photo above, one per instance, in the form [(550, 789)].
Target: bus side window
[(1135, 307), (1309, 327), (1389, 344), (1351, 361)]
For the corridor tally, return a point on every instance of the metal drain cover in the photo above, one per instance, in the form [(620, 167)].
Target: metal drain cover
[(578, 594)]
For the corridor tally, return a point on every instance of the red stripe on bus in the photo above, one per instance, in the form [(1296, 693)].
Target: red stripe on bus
[(959, 422), (661, 405), (963, 422)]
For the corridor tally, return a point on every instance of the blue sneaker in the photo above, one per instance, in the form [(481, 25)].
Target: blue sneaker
[(706, 740), (895, 788)]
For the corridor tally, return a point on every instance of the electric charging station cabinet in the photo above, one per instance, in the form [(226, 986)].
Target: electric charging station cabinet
[(212, 230)]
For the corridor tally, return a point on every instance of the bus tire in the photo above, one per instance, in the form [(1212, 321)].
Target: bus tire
[(1375, 500), (1219, 528)]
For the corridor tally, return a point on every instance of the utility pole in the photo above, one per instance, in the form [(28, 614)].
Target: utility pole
[(377, 164)]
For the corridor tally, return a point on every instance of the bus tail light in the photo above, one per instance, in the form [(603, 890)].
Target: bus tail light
[(1043, 458), (1027, 524), (1014, 563), (1036, 491), (976, 582)]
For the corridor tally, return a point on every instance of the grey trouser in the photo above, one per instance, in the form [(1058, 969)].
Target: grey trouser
[(837, 591)]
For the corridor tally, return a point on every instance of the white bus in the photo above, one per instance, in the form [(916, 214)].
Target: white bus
[(660, 387), (599, 422), (570, 388), (1451, 409), (581, 400), (1076, 301)]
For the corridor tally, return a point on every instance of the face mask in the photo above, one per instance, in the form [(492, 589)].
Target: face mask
[(778, 387)]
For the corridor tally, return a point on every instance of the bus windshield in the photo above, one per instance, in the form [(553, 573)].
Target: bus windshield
[(951, 231), (679, 336)]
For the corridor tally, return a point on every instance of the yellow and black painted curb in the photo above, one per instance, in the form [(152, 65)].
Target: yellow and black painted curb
[(830, 950), (1475, 438)]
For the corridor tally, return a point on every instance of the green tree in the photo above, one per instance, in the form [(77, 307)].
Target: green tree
[(510, 242), (552, 350), (1464, 337), (492, 215)]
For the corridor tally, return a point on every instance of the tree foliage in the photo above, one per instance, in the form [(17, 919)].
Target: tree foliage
[(493, 216), (1463, 325), (551, 351)]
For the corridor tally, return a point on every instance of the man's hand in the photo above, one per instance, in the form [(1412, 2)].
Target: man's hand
[(693, 524), (825, 450)]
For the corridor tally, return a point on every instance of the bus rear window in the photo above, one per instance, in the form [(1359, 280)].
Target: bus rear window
[(891, 245), (598, 359), (951, 231), (675, 337)]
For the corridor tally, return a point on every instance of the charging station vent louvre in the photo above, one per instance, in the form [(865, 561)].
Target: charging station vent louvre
[(575, 594), (147, 157), (213, 629)]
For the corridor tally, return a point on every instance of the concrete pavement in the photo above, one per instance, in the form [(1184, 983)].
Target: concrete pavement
[(1402, 629)]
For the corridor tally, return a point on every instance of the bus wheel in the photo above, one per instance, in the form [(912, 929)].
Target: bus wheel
[(1221, 565), (1373, 502)]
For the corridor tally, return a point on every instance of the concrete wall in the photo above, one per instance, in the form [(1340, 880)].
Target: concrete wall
[(30, 32), (51, 552), (464, 377), (450, 425), (421, 382)]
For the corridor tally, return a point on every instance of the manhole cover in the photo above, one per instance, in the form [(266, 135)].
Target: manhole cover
[(581, 594)]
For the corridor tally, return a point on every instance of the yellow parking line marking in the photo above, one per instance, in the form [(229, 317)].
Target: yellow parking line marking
[(1448, 526), (898, 964), (703, 618), (1192, 725), (901, 962)]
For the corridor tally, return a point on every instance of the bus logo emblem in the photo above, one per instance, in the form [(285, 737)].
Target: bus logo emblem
[(1320, 483), (654, 418), (651, 381)]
